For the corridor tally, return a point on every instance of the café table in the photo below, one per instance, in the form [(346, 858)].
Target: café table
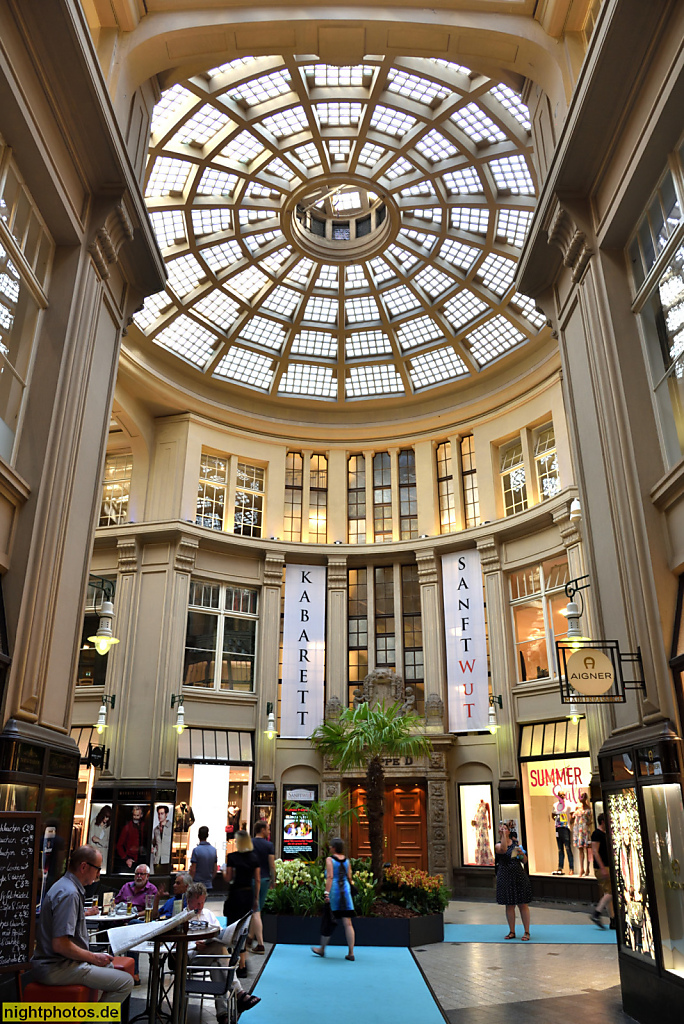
[(180, 938)]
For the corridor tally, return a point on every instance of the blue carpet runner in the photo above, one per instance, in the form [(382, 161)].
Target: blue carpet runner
[(548, 934), (381, 986)]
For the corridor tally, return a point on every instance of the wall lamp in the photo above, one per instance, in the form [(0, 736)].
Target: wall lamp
[(177, 699), (104, 637), (575, 510), (101, 723), (270, 721), (494, 699), (572, 610), (574, 713)]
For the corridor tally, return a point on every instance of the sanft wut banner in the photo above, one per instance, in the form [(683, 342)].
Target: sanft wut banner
[(302, 696), (466, 642)]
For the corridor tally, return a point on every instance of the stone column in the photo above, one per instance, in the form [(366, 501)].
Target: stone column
[(433, 636), (154, 577), (457, 475), (269, 624), (437, 816), (370, 527), (337, 495), (497, 617), (336, 634), (394, 476)]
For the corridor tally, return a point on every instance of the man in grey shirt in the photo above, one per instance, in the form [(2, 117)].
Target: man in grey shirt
[(62, 955), (204, 860)]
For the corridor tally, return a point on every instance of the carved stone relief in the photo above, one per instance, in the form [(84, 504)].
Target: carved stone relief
[(434, 711), (437, 828), (563, 232)]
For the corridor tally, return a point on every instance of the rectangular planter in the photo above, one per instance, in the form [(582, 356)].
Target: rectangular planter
[(370, 931)]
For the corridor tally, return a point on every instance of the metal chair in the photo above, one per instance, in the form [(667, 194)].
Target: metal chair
[(206, 978)]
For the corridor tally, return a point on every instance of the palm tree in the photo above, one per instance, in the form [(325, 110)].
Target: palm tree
[(360, 738)]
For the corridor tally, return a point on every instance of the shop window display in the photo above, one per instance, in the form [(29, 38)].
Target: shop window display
[(552, 794), (665, 825), (634, 911), (477, 832)]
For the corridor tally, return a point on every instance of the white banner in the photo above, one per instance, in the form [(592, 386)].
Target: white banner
[(466, 642), (303, 692)]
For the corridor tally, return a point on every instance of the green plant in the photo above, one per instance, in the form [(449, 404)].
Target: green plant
[(415, 889), (360, 738), (366, 891)]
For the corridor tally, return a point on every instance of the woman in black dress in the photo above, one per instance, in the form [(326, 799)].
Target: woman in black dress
[(243, 874), (513, 886)]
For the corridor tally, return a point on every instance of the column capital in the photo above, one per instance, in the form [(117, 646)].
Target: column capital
[(186, 553), (273, 569), (337, 572), (127, 553), (569, 530), (489, 554), (427, 567)]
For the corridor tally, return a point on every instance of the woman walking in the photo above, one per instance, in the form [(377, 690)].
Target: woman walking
[(338, 896), (513, 886), (243, 875)]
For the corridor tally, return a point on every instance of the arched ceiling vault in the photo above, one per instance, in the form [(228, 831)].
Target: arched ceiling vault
[(340, 234)]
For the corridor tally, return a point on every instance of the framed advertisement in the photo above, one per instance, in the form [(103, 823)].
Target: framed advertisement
[(160, 848), (477, 824), (298, 836), (132, 842), (100, 830)]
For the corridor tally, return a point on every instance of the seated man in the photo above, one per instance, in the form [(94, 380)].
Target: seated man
[(179, 888), (135, 892), (62, 955), (196, 896)]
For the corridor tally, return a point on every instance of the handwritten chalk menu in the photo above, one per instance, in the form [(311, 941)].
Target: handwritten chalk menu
[(18, 887)]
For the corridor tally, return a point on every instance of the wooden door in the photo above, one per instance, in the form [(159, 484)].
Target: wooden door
[(405, 825)]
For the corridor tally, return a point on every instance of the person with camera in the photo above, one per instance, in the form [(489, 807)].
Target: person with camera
[(513, 886)]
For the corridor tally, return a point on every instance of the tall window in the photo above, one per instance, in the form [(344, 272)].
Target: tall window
[(116, 489), (358, 629), (220, 642), (546, 462), (537, 600), (385, 636), (414, 673), (356, 499), (249, 500), (292, 527), (471, 497), (26, 251), (659, 282), (318, 500), (445, 489), (408, 497), (513, 478), (211, 492), (382, 497)]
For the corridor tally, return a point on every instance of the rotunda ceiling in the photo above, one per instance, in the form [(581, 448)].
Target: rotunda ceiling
[(340, 233)]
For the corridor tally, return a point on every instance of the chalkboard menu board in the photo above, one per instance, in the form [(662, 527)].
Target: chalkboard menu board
[(18, 887)]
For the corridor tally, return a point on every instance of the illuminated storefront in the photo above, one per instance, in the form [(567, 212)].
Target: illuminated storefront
[(555, 768)]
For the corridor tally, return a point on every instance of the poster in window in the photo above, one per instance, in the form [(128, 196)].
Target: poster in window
[(477, 826), (132, 832), (100, 830), (298, 832), (160, 855)]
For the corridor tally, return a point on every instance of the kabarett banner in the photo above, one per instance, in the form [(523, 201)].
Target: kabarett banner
[(302, 695), (466, 642)]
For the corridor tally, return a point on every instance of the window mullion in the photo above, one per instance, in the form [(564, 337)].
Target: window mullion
[(218, 661)]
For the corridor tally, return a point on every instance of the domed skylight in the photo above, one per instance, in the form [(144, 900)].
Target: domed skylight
[(340, 233)]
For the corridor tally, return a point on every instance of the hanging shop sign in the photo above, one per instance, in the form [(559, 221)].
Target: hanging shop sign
[(466, 642), (593, 671), (302, 695), (590, 672)]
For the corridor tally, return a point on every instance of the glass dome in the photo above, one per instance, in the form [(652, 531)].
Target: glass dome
[(340, 233)]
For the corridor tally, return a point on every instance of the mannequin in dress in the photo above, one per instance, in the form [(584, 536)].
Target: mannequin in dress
[(482, 823), (581, 833)]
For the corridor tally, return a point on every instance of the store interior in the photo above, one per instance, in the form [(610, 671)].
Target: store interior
[(215, 795)]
